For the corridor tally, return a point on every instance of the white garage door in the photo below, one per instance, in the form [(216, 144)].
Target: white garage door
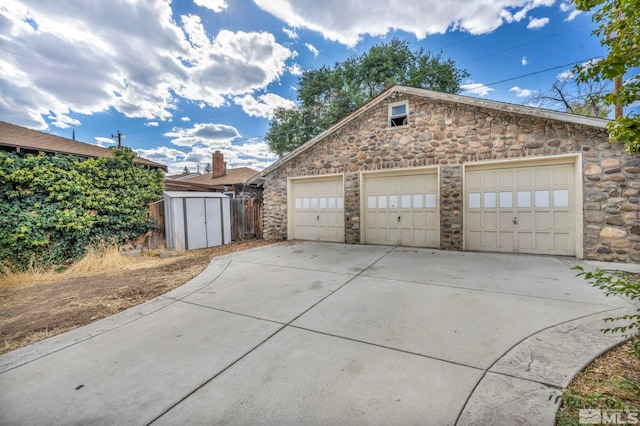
[(317, 209), (521, 209), (401, 210)]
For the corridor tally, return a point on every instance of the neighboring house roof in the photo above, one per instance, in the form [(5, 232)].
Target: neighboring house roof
[(236, 176), (439, 96), (183, 176), (21, 138)]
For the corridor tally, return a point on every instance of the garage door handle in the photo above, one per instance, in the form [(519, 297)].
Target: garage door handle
[(515, 220), (398, 218), (318, 218)]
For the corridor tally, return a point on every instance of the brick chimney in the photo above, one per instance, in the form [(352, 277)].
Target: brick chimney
[(219, 165)]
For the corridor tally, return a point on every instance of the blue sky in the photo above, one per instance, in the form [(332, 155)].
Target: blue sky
[(180, 79)]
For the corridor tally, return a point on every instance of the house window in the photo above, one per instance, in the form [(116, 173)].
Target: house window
[(398, 114)]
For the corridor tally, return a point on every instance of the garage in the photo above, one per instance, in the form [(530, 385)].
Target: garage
[(316, 209), (401, 208), (527, 207)]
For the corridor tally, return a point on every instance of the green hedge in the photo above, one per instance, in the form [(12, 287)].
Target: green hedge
[(53, 207)]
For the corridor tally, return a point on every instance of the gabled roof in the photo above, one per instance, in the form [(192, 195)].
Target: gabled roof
[(235, 176), (439, 96), (21, 138), (183, 176)]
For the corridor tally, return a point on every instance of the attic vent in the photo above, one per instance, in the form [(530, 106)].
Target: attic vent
[(398, 113)]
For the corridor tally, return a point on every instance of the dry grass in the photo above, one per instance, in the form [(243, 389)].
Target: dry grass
[(9, 278), (102, 258), (610, 381), (98, 259)]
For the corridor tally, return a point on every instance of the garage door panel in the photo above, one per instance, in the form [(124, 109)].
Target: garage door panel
[(544, 220), (401, 209), (544, 241), (506, 240), (542, 177), (527, 208), (490, 219), (318, 210)]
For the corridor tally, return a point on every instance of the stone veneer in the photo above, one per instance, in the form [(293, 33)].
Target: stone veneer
[(448, 134)]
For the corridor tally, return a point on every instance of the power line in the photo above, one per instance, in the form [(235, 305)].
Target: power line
[(522, 44), (542, 71)]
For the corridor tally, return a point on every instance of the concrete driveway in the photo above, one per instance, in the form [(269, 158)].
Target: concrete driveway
[(314, 333)]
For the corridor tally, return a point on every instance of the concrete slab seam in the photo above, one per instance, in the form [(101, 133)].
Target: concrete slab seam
[(209, 380), (351, 339), (516, 345), (435, 284), (343, 285), (213, 308), (296, 268)]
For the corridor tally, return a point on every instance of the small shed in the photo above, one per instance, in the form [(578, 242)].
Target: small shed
[(196, 220)]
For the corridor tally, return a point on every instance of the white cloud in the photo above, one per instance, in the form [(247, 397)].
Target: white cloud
[(102, 141), (151, 124), (185, 119), (291, 33), (573, 12), (295, 69), (215, 5), (536, 23), (204, 135), (264, 106), (162, 154), (135, 57), (348, 21), (524, 61), (565, 75), (573, 15), (521, 93), (312, 49), (477, 89)]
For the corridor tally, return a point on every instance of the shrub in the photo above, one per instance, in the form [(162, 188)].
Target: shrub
[(54, 207)]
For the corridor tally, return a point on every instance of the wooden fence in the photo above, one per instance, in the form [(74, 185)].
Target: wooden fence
[(155, 238), (246, 219)]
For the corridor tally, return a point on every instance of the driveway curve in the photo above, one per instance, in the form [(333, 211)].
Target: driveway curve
[(321, 333)]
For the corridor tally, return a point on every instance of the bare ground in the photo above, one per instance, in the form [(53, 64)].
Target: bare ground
[(34, 312)]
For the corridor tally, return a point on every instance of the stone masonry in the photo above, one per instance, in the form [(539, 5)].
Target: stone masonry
[(449, 134)]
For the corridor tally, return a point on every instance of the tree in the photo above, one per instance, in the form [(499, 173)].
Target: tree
[(326, 95), (619, 21), (574, 97), (207, 168), (186, 170)]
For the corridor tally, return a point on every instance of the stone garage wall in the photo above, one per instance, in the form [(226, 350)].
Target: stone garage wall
[(450, 134)]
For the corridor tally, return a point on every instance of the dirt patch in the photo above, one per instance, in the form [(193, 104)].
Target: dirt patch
[(609, 382), (34, 312)]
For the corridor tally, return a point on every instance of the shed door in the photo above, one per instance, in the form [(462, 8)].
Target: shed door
[(521, 209), (402, 210), (206, 224), (195, 223), (317, 209)]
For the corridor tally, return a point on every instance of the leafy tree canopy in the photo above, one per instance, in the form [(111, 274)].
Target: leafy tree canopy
[(325, 95), (619, 32)]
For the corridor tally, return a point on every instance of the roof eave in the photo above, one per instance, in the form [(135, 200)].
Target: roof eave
[(467, 100)]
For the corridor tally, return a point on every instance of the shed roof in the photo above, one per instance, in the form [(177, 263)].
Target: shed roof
[(21, 138), (447, 97), (192, 194)]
